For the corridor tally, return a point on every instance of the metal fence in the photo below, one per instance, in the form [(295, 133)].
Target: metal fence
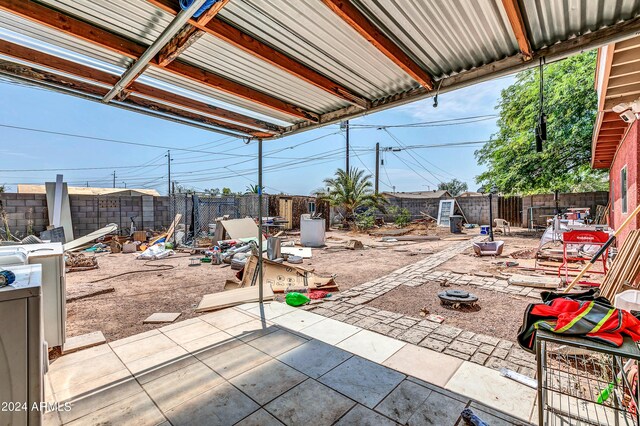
[(200, 210)]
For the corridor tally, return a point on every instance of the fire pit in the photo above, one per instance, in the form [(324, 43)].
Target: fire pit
[(457, 298)]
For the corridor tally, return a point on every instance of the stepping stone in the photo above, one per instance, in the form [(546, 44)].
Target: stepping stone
[(162, 317), (83, 341)]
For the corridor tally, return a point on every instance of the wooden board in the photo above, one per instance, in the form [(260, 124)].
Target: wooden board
[(534, 281), (82, 241), (172, 228), (227, 299)]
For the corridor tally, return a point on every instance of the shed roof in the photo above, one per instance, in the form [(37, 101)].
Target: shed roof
[(85, 190), (419, 195), (264, 68)]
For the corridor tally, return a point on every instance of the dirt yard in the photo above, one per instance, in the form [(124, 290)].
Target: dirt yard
[(149, 287), (499, 314)]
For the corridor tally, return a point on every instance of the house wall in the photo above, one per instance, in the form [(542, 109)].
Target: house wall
[(628, 155)]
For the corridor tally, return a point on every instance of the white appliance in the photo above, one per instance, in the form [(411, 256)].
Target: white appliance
[(23, 353), (54, 302)]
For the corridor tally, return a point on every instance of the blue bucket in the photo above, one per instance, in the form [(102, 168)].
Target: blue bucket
[(484, 230)]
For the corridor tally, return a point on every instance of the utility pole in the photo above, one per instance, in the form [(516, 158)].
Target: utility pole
[(124, 183), (377, 166), (169, 172), (173, 187), (114, 178), (345, 125)]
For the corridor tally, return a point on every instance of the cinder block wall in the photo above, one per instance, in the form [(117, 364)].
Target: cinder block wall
[(544, 204), (476, 209), (88, 213)]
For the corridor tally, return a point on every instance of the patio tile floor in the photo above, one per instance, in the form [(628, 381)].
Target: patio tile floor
[(246, 370)]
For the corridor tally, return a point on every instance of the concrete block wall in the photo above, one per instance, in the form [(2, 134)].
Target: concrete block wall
[(88, 213), (544, 204), (476, 209)]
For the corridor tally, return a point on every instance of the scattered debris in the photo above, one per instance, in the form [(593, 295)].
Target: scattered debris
[(161, 317), (227, 299), (535, 281), (80, 262), (520, 378), (303, 252), (424, 312), (87, 290), (470, 418), (457, 298), (355, 245), (89, 238), (524, 254)]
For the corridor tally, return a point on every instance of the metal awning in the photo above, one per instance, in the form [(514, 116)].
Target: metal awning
[(617, 84), (269, 68)]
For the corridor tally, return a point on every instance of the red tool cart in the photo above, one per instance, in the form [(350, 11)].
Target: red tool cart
[(577, 237)]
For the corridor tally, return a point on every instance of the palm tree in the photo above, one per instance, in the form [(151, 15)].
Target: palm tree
[(349, 191)]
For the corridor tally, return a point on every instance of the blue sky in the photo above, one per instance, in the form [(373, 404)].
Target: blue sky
[(308, 164)]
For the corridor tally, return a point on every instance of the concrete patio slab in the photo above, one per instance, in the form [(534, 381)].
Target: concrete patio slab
[(363, 416), (372, 346), (425, 364), (403, 401), (259, 418), (362, 380), (161, 317), (489, 387), (268, 311), (310, 403), (222, 405), (330, 331), (267, 381), (251, 330), (179, 386), (314, 358), (191, 332), (226, 318), (297, 320), (278, 342), (276, 377), (137, 409), (236, 361)]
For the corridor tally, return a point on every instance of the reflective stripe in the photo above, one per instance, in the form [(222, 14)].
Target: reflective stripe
[(576, 319), (603, 320)]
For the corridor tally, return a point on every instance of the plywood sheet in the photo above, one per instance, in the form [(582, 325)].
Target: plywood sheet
[(240, 228), (82, 241), (227, 299)]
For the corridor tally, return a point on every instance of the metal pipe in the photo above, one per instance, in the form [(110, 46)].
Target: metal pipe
[(260, 274), (490, 216), (167, 34)]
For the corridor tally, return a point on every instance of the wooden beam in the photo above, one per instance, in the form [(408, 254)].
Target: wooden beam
[(625, 80), (610, 103), (631, 43), (23, 53), (631, 56), (178, 44), (210, 13), (611, 125), (617, 92), (517, 25), (612, 132), (623, 70), (188, 35), (26, 72), (221, 30), (352, 16), (35, 12)]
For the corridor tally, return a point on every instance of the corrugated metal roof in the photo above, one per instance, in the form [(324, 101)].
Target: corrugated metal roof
[(308, 31), (143, 24), (442, 35), (550, 21), (242, 105), (235, 64)]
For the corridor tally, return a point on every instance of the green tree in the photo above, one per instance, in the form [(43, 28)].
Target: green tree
[(226, 191), (454, 187), (252, 189), (570, 103), (349, 191)]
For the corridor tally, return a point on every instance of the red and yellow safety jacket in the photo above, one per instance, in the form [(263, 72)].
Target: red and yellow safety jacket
[(594, 319)]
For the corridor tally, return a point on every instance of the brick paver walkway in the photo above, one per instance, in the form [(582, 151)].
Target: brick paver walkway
[(351, 306)]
